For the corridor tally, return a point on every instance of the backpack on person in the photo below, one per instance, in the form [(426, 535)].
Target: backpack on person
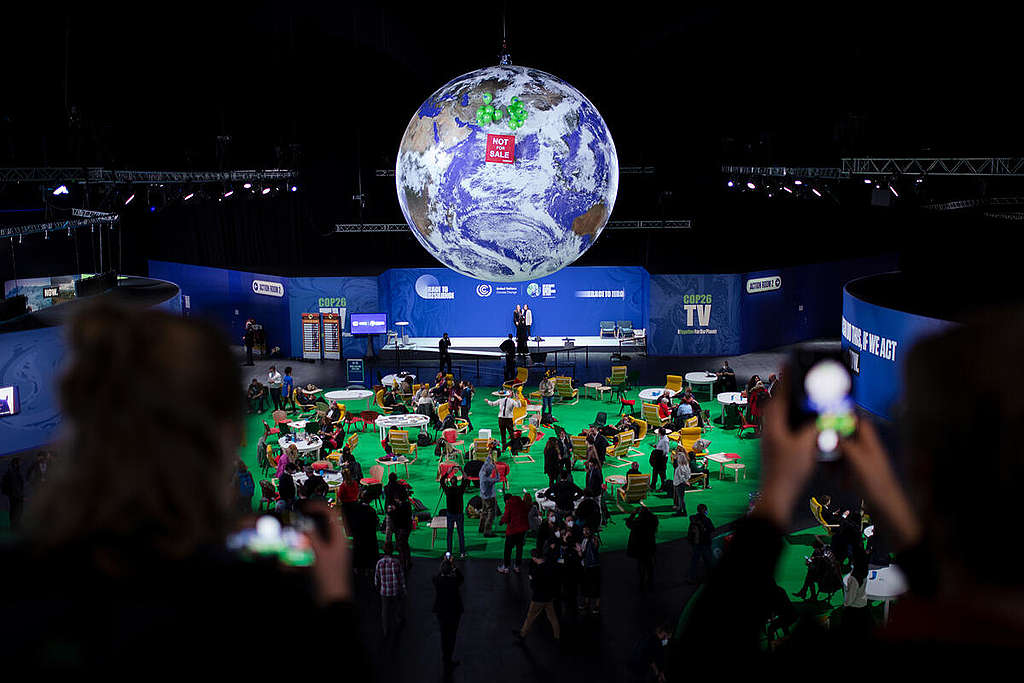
[(246, 484), (697, 533)]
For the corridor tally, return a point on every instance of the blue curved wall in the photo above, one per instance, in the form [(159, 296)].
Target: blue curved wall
[(32, 360), (877, 340)]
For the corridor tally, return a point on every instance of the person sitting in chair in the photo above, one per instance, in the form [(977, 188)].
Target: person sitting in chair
[(822, 573), (696, 468), (306, 397), (565, 492)]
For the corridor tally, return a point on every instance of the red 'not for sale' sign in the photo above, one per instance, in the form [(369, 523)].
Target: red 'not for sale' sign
[(501, 149)]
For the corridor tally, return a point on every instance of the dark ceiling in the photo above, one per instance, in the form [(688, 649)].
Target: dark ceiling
[(329, 88)]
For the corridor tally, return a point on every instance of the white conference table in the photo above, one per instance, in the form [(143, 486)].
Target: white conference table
[(730, 398), (345, 395), (390, 380), (652, 394), (885, 584), (706, 379), (386, 422), (304, 446)]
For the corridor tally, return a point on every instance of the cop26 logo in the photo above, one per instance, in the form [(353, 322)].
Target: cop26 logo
[(533, 289), (484, 290)]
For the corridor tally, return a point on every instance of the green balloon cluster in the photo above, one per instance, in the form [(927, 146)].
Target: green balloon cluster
[(514, 114)]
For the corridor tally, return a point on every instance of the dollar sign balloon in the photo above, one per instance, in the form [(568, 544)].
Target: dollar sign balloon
[(488, 97)]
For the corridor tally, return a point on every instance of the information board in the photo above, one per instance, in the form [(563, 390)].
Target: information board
[(332, 336), (355, 370), (311, 336)]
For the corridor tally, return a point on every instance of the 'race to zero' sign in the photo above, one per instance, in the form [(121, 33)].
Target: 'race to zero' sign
[(501, 149)]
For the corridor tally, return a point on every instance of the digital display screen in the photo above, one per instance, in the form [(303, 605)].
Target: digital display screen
[(8, 401), (51, 292), (369, 323)]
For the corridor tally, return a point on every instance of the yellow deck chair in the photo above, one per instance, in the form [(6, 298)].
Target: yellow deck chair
[(649, 411), (636, 489), (686, 437), (674, 382), (643, 428), (379, 400), (579, 448), (400, 444), (481, 449), (816, 509), (618, 377), (563, 386), (521, 375), (352, 441)]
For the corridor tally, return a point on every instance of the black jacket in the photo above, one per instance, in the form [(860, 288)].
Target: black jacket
[(543, 581), (442, 346), (447, 596), (508, 347), (453, 494), (643, 526)]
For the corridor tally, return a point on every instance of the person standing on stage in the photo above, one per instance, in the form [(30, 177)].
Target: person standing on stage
[(249, 339), (527, 319), (508, 347), (521, 347), (274, 382), (506, 404), (445, 359), (517, 318)]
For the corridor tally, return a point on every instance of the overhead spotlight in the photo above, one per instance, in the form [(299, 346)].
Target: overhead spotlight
[(919, 180), (787, 189), (730, 184), (129, 200), (878, 186), (815, 191), (20, 238), (152, 209), (893, 190), (63, 189), (247, 186), (228, 193), (867, 181), (69, 231), (798, 182), (266, 190), (751, 186), (189, 196), (46, 234), (295, 188)]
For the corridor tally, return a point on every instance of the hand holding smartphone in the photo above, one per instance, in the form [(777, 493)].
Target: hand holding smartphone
[(821, 393)]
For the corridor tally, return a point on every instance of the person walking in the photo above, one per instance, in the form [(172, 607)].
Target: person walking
[(400, 514), (591, 584), (508, 347), (680, 480), (659, 460), (506, 405), (488, 478), (517, 523), (547, 394), (13, 486), (544, 585), (389, 578), (699, 535), (641, 546), (454, 486), (274, 382), (448, 608), (444, 358)]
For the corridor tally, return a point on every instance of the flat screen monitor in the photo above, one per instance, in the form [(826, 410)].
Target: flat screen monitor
[(8, 401), (369, 323)]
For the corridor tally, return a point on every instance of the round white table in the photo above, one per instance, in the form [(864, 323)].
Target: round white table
[(304, 446), (885, 584), (345, 395), (706, 379), (386, 422), (730, 398), (650, 395), (593, 386), (389, 380), (298, 425)]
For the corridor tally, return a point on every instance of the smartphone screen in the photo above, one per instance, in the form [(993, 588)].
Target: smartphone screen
[(821, 393), (289, 544)]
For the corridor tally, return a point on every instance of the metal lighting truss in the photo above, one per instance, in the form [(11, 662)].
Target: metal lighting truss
[(827, 173), (84, 218), (102, 176), (656, 224), (935, 166)]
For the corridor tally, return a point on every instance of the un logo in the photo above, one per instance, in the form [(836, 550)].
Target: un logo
[(483, 290)]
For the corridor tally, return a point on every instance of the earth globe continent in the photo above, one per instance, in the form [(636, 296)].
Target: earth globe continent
[(507, 222)]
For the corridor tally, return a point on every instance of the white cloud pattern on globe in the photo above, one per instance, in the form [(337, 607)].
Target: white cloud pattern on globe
[(498, 221)]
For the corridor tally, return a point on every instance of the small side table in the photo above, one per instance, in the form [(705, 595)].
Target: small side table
[(602, 390), (593, 386), (435, 524)]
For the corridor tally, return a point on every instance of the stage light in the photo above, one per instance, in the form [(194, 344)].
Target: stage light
[(46, 234), (751, 186), (69, 231), (152, 209), (129, 200), (228, 193), (730, 184), (919, 180), (20, 238), (247, 186), (63, 189), (189, 196), (295, 188), (815, 191), (867, 181), (798, 182), (787, 189), (266, 190), (893, 190)]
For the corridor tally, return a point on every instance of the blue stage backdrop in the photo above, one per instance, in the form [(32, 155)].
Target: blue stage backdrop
[(877, 340), (695, 315), (227, 298), (32, 361), (570, 302), (344, 295)]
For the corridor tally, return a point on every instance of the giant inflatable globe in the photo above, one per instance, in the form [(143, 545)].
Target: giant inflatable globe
[(507, 174)]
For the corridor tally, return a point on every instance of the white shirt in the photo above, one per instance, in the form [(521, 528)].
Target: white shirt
[(505, 406), (854, 592), (529, 317), (274, 379)]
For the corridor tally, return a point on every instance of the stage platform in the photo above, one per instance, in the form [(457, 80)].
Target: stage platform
[(488, 346)]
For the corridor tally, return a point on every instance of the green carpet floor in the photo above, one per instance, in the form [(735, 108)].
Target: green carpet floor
[(726, 500)]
